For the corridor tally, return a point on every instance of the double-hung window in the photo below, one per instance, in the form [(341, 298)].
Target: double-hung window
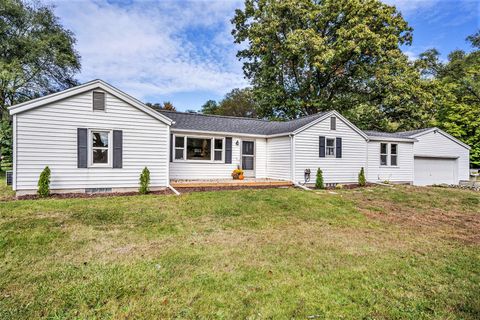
[(179, 148), (393, 154), (218, 150), (100, 147), (330, 149), (383, 154), (388, 151)]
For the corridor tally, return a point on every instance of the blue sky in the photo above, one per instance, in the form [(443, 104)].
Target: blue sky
[(183, 52)]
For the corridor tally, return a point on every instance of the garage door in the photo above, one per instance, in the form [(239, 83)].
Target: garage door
[(430, 171)]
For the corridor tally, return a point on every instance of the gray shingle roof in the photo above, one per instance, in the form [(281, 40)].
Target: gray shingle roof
[(202, 122), (401, 135)]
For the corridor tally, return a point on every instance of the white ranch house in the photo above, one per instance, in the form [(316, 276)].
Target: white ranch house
[(96, 138)]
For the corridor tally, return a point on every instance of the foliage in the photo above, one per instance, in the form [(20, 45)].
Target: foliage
[(144, 181), (44, 183), (5, 145), (362, 182), (305, 56), (209, 107), (167, 105), (458, 94), (38, 55), (319, 181), (237, 103), (237, 173)]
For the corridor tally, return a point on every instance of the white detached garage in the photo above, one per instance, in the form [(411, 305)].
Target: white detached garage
[(439, 158)]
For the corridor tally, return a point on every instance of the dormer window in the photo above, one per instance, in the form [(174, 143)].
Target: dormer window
[(98, 101), (333, 123)]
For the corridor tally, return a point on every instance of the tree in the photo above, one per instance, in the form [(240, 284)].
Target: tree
[(237, 103), (167, 105), (459, 99), (5, 145), (209, 107), (37, 53), (305, 56)]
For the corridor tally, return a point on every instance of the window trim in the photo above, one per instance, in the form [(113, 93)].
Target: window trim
[(109, 163), (393, 154), (388, 154), (222, 158), (334, 155), (104, 100), (212, 148)]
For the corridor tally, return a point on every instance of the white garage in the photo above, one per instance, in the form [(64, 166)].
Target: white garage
[(439, 158), (429, 171)]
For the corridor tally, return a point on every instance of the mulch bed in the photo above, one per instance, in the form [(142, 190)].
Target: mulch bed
[(121, 194), (91, 195)]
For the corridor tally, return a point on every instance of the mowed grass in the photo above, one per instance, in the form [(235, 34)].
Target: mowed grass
[(374, 253)]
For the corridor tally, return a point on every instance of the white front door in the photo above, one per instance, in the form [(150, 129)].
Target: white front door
[(248, 158), (430, 171)]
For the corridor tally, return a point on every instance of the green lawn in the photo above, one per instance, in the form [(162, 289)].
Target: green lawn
[(374, 253)]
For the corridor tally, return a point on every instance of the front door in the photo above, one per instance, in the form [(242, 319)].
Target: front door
[(248, 158)]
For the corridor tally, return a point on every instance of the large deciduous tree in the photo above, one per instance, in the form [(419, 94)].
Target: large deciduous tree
[(37, 54), (237, 103), (305, 56), (459, 102)]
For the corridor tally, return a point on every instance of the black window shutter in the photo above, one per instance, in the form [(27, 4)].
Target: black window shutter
[(228, 150), (339, 148), (171, 148), (321, 149), (117, 148), (82, 152)]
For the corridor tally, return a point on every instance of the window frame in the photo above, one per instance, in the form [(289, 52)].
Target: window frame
[(212, 148), (389, 154), (393, 154), (334, 147), (175, 148), (104, 100), (109, 163)]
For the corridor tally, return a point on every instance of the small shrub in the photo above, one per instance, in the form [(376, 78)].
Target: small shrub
[(339, 186), (319, 182), (44, 183), (144, 181), (362, 182)]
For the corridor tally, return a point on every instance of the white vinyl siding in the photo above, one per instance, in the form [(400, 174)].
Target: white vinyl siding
[(335, 170), (438, 145), (402, 172), (279, 158), (260, 158), (48, 136), (204, 170)]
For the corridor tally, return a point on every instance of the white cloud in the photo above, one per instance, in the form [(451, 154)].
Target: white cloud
[(155, 48)]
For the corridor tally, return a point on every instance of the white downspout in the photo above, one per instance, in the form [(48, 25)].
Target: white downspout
[(292, 158)]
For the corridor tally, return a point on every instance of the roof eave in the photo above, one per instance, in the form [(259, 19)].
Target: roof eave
[(88, 86)]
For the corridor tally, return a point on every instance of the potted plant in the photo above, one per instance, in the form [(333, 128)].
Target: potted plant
[(237, 174)]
